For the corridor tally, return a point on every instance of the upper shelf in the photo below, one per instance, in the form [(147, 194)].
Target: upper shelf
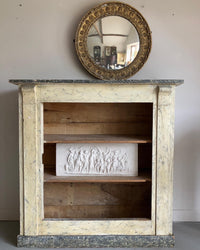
[(66, 81), (58, 138)]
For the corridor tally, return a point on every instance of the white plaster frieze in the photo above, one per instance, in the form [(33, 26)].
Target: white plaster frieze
[(105, 159)]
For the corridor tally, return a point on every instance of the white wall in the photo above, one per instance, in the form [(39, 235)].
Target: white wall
[(36, 41)]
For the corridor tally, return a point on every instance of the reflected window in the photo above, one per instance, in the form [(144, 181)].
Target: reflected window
[(131, 52)]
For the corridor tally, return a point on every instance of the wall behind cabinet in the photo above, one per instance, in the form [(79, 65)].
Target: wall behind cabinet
[(36, 41)]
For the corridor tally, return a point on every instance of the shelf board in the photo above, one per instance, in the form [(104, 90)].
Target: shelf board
[(50, 176), (87, 138)]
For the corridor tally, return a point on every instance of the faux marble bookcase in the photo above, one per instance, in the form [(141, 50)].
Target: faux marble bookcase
[(96, 163)]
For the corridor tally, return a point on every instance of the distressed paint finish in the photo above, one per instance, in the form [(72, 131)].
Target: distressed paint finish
[(95, 93), (31, 168), (31, 147), (40, 167), (30, 152), (21, 164), (96, 227), (99, 93), (165, 155), (154, 147)]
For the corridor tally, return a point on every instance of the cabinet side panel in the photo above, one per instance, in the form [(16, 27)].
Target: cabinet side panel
[(165, 152), (153, 155), (40, 174), (21, 165), (30, 160)]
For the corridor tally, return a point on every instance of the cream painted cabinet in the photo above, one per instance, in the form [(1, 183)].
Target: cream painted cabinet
[(100, 210)]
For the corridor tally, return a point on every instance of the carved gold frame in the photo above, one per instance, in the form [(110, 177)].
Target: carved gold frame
[(113, 9)]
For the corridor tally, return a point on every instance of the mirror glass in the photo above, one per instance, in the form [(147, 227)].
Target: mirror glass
[(113, 42)]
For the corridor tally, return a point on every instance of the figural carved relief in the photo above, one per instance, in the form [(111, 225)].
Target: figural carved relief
[(96, 159)]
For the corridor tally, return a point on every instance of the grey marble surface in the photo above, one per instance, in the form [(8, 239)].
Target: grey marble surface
[(95, 241), (186, 234), (95, 81)]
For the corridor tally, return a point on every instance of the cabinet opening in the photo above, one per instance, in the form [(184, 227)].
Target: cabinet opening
[(98, 196)]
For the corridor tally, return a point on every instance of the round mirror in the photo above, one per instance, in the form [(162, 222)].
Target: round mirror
[(113, 41)]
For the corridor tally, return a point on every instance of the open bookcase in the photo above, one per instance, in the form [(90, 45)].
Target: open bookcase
[(96, 210), (98, 196)]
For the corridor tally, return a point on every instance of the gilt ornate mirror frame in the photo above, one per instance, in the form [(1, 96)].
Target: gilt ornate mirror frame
[(113, 9)]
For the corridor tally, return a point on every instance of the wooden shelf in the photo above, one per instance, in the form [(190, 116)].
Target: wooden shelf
[(87, 138), (50, 176)]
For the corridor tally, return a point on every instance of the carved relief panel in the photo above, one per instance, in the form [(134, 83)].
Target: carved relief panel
[(97, 159)]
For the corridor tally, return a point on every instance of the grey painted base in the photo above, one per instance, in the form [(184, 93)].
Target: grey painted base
[(95, 241)]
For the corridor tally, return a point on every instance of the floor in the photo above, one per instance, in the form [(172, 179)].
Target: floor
[(187, 236)]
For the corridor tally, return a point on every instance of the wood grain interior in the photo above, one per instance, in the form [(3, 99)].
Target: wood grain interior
[(64, 198), (105, 122), (96, 200), (98, 118)]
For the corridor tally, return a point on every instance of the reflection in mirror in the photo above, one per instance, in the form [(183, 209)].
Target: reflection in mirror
[(113, 42)]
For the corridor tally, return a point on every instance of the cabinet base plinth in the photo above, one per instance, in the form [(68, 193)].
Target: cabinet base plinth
[(95, 241)]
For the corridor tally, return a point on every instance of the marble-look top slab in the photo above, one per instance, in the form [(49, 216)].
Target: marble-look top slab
[(65, 81)]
